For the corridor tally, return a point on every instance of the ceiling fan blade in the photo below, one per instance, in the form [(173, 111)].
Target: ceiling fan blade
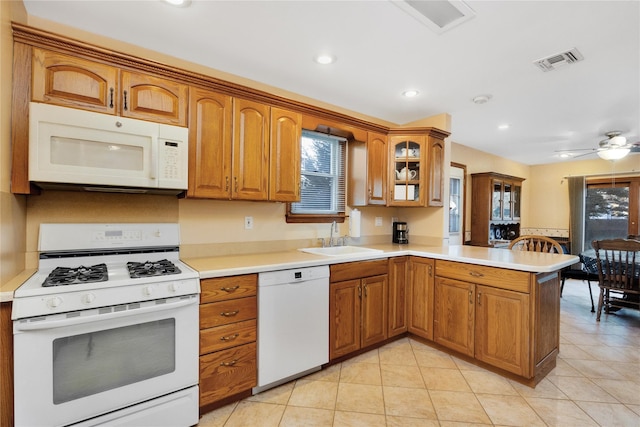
[(575, 149)]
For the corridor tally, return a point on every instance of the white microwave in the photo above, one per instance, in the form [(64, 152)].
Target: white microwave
[(101, 152)]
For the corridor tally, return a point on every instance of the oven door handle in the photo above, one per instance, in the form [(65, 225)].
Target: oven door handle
[(52, 324)]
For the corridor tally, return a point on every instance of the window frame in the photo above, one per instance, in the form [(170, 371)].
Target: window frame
[(292, 217)]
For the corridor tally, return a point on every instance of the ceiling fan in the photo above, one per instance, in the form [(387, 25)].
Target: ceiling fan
[(614, 147)]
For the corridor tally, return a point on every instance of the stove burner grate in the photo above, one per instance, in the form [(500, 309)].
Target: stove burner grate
[(72, 276), (152, 268)]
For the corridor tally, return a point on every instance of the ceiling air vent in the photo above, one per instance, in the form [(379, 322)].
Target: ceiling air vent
[(438, 15), (558, 60)]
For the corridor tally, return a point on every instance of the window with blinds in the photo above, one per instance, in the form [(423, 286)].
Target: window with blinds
[(322, 183)]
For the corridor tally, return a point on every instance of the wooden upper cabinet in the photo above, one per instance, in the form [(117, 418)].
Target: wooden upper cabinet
[(284, 170), (79, 83), (407, 175), (151, 98), (377, 167), (250, 150), (209, 144), (73, 82), (435, 186)]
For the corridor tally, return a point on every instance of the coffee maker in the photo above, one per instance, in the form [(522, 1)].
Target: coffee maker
[(400, 233)]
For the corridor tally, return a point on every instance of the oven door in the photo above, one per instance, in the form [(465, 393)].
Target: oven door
[(73, 366)]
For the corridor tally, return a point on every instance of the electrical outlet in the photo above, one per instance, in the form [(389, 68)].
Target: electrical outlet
[(248, 222), (378, 221)]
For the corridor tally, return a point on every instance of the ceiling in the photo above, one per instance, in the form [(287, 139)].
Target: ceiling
[(382, 51)]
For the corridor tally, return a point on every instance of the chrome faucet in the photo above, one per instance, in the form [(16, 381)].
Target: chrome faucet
[(333, 227)]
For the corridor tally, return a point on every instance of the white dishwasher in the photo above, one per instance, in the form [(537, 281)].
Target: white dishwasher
[(293, 324)]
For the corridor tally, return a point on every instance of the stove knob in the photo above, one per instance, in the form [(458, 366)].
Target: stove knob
[(174, 287), (88, 298), (147, 290), (54, 302)]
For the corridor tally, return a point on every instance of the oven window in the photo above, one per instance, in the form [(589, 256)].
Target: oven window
[(104, 360)]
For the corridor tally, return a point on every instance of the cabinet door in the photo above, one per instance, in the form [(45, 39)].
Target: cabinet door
[(516, 195), (507, 202), (73, 82), (435, 193), (209, 144), (344, 315), (407, 176), (377, 150), (421, 279), (284, 171), (250, 150), (398, 276), (374, 309), (502, 322), (453, 325), (496, 200), (152, 98)]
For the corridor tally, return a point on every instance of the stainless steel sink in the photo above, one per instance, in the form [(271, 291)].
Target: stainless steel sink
[(340, 250)]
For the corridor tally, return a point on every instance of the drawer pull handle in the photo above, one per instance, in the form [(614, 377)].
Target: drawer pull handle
[(231, 289), (476, 274), (233, 362), (230, 337), (229, 313)]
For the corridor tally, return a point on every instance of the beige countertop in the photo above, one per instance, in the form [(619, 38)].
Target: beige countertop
[(6, 290), (256, 263), (502, 258)]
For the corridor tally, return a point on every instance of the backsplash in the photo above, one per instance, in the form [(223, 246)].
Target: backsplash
[(549, 232)]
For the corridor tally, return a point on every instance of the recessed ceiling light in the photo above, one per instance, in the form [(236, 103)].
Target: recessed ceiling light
[(482, 99), (410, 93), (503, 126), (325, 59), (178, 3)]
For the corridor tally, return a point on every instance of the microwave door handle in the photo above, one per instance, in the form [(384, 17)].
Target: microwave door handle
[(154, 157), (52, 324)]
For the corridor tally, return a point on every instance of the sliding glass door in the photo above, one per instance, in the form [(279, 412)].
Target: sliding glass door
[(611, 210)]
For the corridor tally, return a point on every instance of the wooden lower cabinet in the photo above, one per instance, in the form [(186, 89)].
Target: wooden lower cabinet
[(228, 331), (6, 365), (420, 297), (358, 295), (398, 301), (454, 315), (502, 329), (508, 319)]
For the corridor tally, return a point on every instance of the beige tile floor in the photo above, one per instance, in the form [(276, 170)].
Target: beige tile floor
[(596, 383)]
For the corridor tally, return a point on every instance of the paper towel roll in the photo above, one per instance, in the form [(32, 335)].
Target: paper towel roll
[(354, 223)]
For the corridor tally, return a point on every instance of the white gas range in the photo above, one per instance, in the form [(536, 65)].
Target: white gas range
[(106, 331)]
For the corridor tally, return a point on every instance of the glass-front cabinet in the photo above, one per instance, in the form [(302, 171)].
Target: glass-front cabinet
[(407, 172), (496, 207)]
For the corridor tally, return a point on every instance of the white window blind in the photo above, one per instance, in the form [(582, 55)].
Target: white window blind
[(322, 168)]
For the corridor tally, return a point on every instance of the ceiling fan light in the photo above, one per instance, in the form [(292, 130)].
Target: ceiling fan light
[(613, 153), (618, 140)]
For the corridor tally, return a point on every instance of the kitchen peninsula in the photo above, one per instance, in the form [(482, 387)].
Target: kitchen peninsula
[(496, 308)]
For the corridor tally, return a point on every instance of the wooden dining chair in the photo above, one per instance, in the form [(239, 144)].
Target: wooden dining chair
[(535, 243), (618, 273)]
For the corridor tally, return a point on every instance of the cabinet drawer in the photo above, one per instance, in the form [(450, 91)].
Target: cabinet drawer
[(490, 276), (227, 372), (226, 336), (226, 312), (225, 288), (358, 270)]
